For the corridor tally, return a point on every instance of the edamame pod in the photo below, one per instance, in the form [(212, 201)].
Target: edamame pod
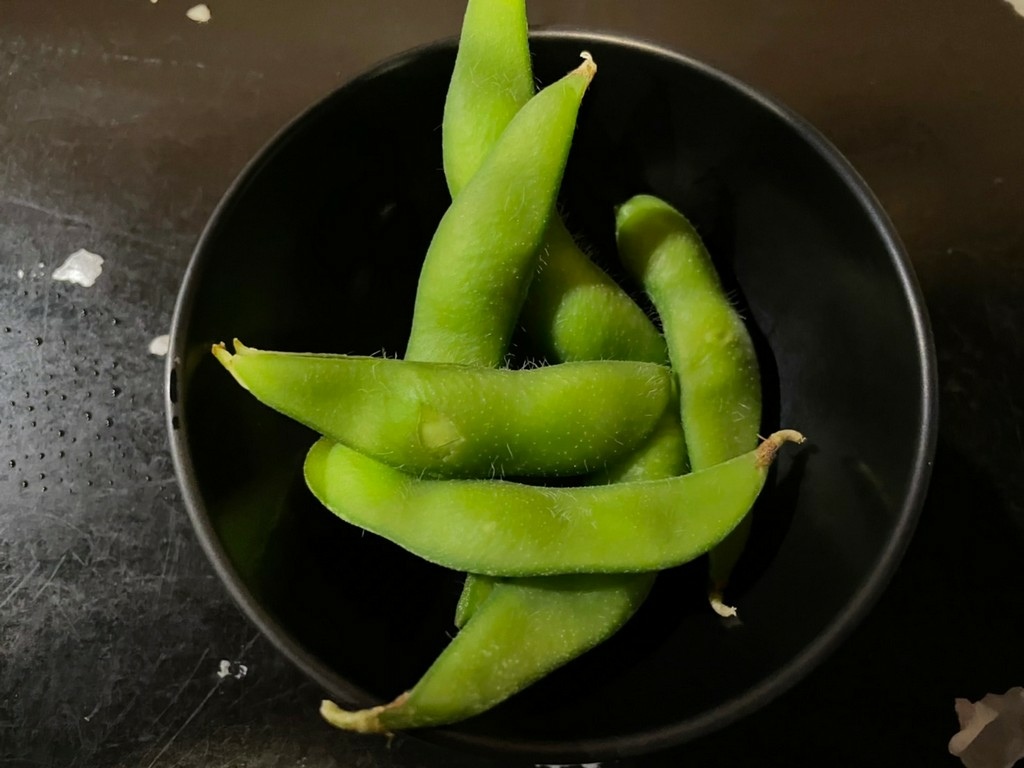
[(491, 234), (709, 346), (501, 528), (491, 80), (480, 103), (458, 420), (573, 310), (506, 646), (475, 590)]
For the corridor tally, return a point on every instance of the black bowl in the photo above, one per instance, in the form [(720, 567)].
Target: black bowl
[(317, 247)]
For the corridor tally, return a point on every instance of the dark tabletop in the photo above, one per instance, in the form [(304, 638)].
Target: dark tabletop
[(121, 124)]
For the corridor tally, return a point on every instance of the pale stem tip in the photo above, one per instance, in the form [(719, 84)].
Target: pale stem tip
[(767, 450), (361, 721), (589, 66), (220, 351), (718, 605)]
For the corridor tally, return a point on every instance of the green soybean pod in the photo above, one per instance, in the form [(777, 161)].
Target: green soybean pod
[(508, 645), (475, 590), (478, 107), (501, 528), (709, 346), (573, 309), (491, 80), (463, 421), (491, 234)]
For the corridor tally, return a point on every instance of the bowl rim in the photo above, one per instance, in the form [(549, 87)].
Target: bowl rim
[(659, 738)]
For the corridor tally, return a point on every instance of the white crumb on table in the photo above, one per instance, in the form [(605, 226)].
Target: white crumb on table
[(82, 268), (236, 670), (159, 345), (199, 13), (991, 730), (1017, 5)]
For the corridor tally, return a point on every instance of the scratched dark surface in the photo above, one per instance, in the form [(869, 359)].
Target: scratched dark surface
[(121, 124)]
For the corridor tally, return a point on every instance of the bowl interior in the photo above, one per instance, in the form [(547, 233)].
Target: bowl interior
[(318, 247)]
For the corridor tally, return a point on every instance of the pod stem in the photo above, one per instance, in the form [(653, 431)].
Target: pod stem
[(588, 67), (220, 351), (716, 598), (767, 450), (359, 721)]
